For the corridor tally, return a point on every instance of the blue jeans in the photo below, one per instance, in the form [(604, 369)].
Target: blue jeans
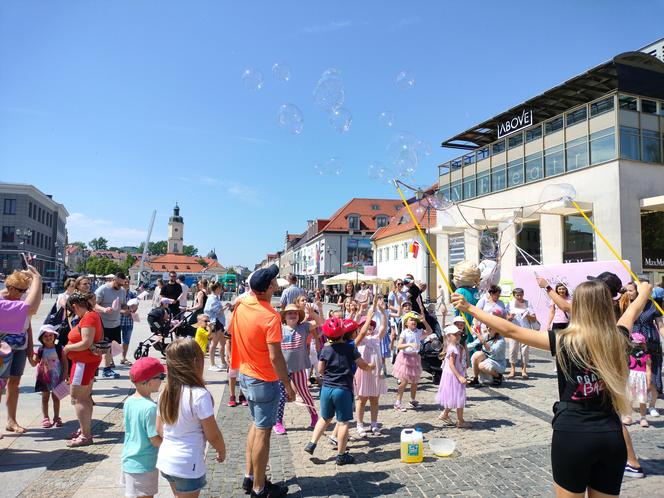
[(126, 333), (335, 400), (263, 398), (186, 484)]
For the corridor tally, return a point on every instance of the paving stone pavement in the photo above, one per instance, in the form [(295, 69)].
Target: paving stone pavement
[(505, 453)]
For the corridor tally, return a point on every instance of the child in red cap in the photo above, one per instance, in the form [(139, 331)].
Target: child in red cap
[(139, 453)]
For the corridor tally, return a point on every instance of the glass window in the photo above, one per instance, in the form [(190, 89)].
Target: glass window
[(515, 141), (498, 147), (629, 143), (534, 167), (554, 160), (534, 133), (381, 221), (395, 252), (529, 241), (404, 248), (469, 187), (578, 239), (577, 116), (482, 153), (456, 164), (387, 254), (648, 106), (483, 183), (553, 126), (602, 146), (498, 178), (353, 222), (601, 106), (446, 190), (515, 173), (380, 255), (456, 191), (577, 153), (469, 159), (627, 102), (8, 234), (661, 108), (650, 147), (10, 206), (457, 249), (375, 207)]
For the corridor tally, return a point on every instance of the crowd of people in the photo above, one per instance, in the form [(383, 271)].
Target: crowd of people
[(606, 340)]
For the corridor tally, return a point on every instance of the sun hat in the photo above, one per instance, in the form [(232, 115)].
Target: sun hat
[(333, 328), (451, 329), (458, 319), (364, 319), (411, 314), (145, 369), (638, 338), (167, 301), (47, 328), (292, 307)]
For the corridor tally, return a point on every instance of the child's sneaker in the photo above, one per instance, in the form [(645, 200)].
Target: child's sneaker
[(310, 447), (279, 428), (634, 472), (243, 400), (653, 412), (231, 402), (360, 431), (413, 404), (375, 430), (398, 407), (109, 373), (345, 459)]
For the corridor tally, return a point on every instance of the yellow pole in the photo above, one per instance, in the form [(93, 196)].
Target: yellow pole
[(426, 243), (615, 253)]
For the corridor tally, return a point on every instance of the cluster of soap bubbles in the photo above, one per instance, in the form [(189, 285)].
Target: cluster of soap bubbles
[(405, 152), (290, 118), (253, 79), (386, 119), (329, 96), (404, 80), (332, 167), (379, 172)]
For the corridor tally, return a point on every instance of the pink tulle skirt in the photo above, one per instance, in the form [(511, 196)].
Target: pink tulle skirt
[(408, 367)]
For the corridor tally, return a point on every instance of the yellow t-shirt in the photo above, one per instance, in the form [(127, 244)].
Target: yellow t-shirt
[(201, 338)]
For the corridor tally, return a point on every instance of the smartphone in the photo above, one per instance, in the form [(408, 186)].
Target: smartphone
[(24, 261)]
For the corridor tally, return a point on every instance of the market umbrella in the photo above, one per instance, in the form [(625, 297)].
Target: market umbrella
[(352, 276), (282, 282)]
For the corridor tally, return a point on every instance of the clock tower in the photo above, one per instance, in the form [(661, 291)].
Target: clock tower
[(175, 232)]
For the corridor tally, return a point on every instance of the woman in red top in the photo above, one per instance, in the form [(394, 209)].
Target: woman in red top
[(84, 362)]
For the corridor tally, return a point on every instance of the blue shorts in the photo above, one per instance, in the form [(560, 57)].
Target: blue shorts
[(336, 400), (263, 398), (126, 333), (14, 364), (186, 484)]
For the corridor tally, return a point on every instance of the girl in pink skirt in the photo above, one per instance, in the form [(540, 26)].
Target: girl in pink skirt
[(408, 366), (452, 389), (370, 384)]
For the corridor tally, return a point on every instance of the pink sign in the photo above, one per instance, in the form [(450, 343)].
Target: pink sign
[(61, 390), (570, 274)]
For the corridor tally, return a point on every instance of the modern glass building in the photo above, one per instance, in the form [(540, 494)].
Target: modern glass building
[(601, 132)]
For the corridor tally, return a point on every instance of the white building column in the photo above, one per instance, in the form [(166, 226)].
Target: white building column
[(508, 251), (551, 238), (443, 256), (471, 238)]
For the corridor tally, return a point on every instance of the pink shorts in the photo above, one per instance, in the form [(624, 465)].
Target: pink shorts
[(82, 373)]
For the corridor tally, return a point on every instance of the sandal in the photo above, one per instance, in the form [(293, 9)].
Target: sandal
[(17, 429), (464, 425), (57, 421), (525, 376), (75, 434), (447, 421), (46, 423), (125, 362), (81, 440)]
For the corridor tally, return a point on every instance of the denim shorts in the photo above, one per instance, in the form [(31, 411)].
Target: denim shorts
[(263, 400), (126, 333), (14, 364), (186, 484), (335, 400)]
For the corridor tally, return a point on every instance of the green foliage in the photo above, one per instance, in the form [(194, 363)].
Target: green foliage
[(80, 244), (202, 262), (101, 266), (189, 250), (128, 263), (100, 243), (155, 248), (231, 271)]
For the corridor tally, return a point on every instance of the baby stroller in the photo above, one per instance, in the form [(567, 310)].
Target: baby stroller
[(430, 354), (163, 329)]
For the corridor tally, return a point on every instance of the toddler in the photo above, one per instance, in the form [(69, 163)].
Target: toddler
[(452, 389), (51, 366)]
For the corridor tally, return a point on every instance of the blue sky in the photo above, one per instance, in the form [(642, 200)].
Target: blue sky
[(118, 108)]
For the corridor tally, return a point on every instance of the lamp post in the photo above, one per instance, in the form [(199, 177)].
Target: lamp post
[(23, 235), (419, 195)]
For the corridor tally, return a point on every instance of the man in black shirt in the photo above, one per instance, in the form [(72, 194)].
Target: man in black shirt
[(414, 293), (172, 290)]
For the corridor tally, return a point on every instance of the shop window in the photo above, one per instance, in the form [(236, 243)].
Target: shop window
[(533, 134), (553, 126), (498, 147), (498, 178), (483, 183), (652, 239), (601, 106), (10, 206), (629, 143), (650, 147), (628, 103), (515, 173), (577, 154), (515, 141), (456, 191), (534, 167), (661, 108), (648, 106), (602, 146), (469, 187), (576, 116), (554, 161), (529, 240), (578, 239)]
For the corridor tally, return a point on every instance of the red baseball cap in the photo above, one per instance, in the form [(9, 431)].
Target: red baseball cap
[(350, 325), (145, 369)]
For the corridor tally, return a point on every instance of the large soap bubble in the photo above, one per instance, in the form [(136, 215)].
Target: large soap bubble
[(281, 71), (439, 201), (488, 245), (290, 118), (329, 92), (404, 80), (331, 167), (558, 191), (252, 79), (402, 152), (386, 119), (341, 119), (379, 172)]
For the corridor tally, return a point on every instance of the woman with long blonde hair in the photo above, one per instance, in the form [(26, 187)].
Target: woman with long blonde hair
[(185, 420), (588, 451)]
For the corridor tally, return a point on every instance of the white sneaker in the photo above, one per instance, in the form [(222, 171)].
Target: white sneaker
[(215, 368), (653, 412)]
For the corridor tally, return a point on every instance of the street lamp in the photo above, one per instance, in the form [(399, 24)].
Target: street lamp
[(23, 234)]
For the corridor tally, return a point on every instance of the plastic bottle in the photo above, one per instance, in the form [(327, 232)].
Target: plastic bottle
[(412, 448)]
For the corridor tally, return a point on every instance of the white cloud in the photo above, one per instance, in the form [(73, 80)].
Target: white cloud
[(327, 28), (82, 227), (244, 193)]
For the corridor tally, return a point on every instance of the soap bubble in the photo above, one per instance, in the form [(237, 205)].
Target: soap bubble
[(329, 92), (405, 217), (404, 80), (341, 119), (419, 211), (377, 171), (402, 153), (423, 148), (558, 191), (290, 118), (386, 119), (331, 167), (439, 201), (488, 245), (281, 71), (252, 79), (445, 219)]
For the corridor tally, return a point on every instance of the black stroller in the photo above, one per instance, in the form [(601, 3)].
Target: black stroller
[(163, 329), (430, 351)]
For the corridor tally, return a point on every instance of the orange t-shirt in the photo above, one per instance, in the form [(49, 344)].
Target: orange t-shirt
[(254, 324), (90, 320)]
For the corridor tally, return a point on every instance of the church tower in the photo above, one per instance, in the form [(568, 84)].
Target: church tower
[(175, 232)]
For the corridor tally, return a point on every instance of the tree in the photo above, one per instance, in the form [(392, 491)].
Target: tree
[(79, 244), (154, 248), (202, 262), (101, 266), (231, 271), (128, 263), (113, 248), (189, 250), (98, 244)]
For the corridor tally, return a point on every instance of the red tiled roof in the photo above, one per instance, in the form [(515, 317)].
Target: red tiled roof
[(179, 263), (362, 207)]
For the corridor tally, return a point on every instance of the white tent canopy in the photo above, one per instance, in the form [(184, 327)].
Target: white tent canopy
[(354, 277)]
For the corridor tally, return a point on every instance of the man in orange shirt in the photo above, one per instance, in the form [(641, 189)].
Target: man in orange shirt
[(256, 351)]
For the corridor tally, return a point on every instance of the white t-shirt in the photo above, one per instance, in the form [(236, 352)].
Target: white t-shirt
[(411, 337), (184, 298), (182, 452)]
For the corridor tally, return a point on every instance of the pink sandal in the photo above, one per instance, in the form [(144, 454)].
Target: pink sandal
[(75, 434), (57, 422), (46, 423), (81, 440)]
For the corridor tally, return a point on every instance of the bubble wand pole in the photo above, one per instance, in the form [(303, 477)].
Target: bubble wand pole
[(615, 253), (431, 253)]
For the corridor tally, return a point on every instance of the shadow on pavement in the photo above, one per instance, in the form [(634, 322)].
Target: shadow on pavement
[(353, 484)]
